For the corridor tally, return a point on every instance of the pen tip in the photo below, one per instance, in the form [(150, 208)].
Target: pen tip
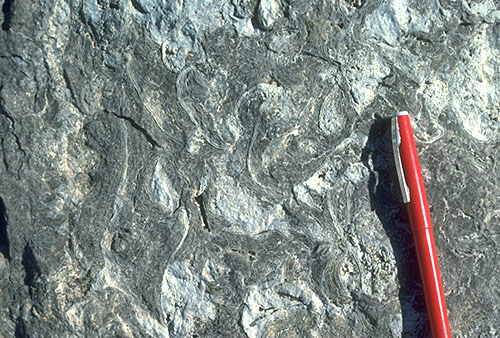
[(400, 113)]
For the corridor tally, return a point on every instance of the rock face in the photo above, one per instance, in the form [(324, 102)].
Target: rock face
[(222, 168)]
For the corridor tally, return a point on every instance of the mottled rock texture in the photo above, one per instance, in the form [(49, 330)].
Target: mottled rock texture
[(221, 168)]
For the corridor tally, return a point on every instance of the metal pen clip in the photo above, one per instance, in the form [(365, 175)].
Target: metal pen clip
[(396, 141)]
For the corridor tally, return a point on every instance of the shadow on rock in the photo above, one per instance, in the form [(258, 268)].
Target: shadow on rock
[(385, 200)]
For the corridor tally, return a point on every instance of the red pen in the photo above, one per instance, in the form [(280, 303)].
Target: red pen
[(413, 193)]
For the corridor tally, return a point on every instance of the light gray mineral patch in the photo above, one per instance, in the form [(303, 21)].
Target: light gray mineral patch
[(163, 190), (223, 168), (268, 13)]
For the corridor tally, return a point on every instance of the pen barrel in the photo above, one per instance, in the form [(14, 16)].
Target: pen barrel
[(431, 282), (420, 220)]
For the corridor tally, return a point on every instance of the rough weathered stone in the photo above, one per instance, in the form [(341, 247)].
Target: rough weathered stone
[(223, 169)]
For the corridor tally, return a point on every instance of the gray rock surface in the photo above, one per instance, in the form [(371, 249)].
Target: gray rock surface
[(221, 169)]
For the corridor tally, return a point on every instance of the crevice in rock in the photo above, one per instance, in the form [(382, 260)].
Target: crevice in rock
[(113, 5), (31, 268), (20, 331), (138, 7), (136, 126), (322, 58), (69, 86), (4, 112), (7, 14), (4, 239), (5, 163), (291, 297), (204, 219), (255, 17)]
